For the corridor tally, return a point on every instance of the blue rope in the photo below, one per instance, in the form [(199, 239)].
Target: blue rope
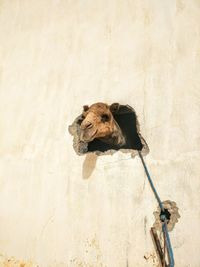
[(169, 246), (151, 182), (163, 217)]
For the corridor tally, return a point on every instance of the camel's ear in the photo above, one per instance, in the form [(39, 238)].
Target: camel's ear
[(114, 107), (85, 108)]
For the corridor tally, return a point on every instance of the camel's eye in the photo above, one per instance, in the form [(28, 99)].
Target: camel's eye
[(81, 119), (105, 118)]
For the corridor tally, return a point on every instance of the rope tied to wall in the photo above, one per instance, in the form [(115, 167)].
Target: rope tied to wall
[(163, 218)]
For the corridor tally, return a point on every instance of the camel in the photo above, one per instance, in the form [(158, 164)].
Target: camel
[(102, 127), (99, 123)]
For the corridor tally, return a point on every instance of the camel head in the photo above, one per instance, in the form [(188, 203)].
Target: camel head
[(98, 123)]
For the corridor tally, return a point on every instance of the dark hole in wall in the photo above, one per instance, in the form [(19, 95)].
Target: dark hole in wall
[(126, 118), (127, 121), (165, 214), (170, 212)]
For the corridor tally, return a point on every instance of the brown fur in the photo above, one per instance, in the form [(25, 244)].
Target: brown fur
[(98, 122)]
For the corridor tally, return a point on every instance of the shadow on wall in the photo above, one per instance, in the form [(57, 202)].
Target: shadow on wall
[(89, 165)]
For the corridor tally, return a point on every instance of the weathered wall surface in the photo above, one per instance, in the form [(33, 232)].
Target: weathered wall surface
[(59, 209)]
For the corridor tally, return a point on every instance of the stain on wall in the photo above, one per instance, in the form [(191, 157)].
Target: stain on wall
[(12, 262)]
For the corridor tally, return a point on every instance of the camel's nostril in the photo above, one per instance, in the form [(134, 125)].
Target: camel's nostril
[(88, 125)]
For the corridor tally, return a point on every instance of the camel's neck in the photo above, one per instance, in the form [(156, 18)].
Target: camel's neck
[(116, 138)]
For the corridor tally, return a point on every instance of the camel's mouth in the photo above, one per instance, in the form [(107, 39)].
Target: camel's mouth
[(89, 138)]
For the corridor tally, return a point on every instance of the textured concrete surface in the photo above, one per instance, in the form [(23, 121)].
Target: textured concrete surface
[(59, 209)]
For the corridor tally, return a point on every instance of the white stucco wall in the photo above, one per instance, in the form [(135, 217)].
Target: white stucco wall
[(58, 209)]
